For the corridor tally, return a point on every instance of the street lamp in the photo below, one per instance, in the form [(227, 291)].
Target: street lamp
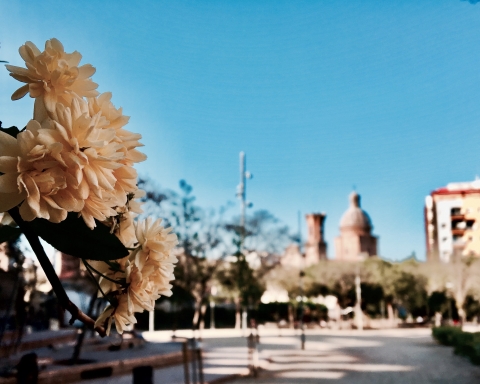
[(358, 292), (302, 328), (242, 195), (301, 276)]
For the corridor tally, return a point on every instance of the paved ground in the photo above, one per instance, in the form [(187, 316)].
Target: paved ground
[(386, 356)]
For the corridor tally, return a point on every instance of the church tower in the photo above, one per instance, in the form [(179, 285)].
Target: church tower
[(356, 239), (315, 247)]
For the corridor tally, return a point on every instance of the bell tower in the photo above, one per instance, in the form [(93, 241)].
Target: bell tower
[(316, 247)]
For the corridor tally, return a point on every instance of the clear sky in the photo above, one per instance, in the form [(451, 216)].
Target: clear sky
[(321, 95)]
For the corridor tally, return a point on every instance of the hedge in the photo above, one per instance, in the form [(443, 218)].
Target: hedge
[(464, 343)]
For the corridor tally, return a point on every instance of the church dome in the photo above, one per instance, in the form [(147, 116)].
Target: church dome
[(354, 217)]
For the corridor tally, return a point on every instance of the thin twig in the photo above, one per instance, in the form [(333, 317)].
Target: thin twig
[(44, 261), (87, 267)]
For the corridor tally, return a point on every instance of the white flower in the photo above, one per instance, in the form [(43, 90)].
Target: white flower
[(32, 173), (147, 273), (52, 74), (156, 242), (119, 314)]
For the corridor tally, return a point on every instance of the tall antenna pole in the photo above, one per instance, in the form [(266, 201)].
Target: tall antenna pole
[(243, 190), (301, 276), (242, 195), (300, 231)]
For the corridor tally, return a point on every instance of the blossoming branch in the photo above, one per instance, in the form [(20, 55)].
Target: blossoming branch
[(69, 178)]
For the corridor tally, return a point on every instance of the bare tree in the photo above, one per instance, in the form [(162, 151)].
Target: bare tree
[(201, 244)]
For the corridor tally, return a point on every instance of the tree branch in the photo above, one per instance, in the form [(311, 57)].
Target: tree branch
[(44, 261)]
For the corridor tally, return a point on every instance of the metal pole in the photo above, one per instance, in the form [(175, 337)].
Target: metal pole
[(242, 195), (302, 328), (151, 320), (200, 363), (193, 355), (186, 372), (358, 306), (302, 274)]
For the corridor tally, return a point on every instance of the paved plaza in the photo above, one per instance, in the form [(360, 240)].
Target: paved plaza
[(387, 356), (383, 356)]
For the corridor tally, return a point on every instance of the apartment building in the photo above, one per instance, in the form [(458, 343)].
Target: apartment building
[(452, 221)]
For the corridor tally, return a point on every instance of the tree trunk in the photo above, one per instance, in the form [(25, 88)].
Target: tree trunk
[(461, 315), (203, 310), (390, 313), (238, 315), (196, 314), (291, 319), (459, 303), (438, 319)]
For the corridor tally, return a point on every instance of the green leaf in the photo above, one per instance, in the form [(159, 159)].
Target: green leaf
[(8, 233), (73, 237), (12, 131)]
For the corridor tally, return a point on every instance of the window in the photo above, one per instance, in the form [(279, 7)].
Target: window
[(455, 211)]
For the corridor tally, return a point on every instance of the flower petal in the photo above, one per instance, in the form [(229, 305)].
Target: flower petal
[(8, 145), (10, 200), (20, 92), (8, 183)]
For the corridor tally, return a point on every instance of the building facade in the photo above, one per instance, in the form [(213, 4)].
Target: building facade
[(452, 221), (315, 247), (355, 240)]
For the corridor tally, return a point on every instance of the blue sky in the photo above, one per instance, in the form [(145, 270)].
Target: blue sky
[(321, 95)]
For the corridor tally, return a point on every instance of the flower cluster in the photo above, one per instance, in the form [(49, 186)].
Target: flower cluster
[(75, 155), (147, 272)]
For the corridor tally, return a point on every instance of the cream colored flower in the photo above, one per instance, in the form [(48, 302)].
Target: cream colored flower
[(156, 242), (52, 74), (120, 315), (126, 175), (91, 155), (139, 294), (144, 275), (33, 175), (124, 229), (110, 275), (6, 219)]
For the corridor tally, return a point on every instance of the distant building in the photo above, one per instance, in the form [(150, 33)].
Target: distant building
[(452, 221), (315, 247), (292, 257), (356, 239)]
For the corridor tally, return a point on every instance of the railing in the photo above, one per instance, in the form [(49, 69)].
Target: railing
[(192, 358)]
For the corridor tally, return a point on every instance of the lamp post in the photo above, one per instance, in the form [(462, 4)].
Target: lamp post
[(358, 292), (242, 195), (301, 275), (302, 328), (358, 306)]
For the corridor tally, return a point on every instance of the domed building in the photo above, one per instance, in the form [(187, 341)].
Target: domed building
[(356, 240)]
